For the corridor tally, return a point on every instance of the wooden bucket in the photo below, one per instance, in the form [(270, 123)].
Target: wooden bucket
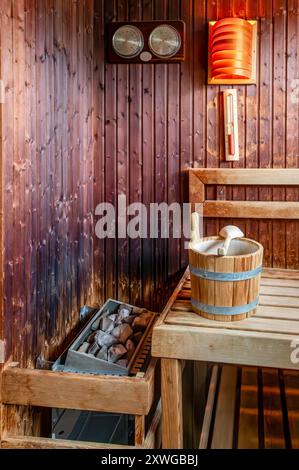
[(225, 288)]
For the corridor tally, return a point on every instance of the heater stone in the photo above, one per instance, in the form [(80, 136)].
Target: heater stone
[(106, 324), (91, 337), (113, 317), (105, 339), (140, 323), (136, 338), (130, 319), (93, 349), (122, 332), (103, 354), (122, 362), (130, 346), (123, 313), (84, 347), (116, 352)]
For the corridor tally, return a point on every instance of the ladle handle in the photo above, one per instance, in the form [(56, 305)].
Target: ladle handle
[(223, 251), (195, 232)]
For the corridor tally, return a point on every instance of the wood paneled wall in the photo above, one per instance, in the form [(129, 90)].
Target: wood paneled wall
[(47, 50), (77, 131)]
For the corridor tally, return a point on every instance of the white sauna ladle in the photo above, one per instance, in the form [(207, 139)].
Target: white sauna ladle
[(229, 232)]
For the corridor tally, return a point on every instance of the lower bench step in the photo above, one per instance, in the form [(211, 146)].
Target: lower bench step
[(251, 408)]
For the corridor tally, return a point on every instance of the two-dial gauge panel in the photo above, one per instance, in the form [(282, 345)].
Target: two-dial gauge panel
[(162, 42)]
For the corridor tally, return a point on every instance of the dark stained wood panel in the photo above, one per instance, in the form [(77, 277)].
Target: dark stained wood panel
[(48, 171), (123, 160), (79, 131)]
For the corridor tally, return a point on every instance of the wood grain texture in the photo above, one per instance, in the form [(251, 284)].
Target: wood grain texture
[(153, 437), (86, 131), (251, 210), (139, 430), (248, 177), (255, 409), (151, 441), (273, 416), (291, 382), (47, 171), (2, 352), (209, 409), (78, 132), (248, 417), (172, 403), (180, 334), (224, 294), (223, 430), (35, 387), (27, 442)]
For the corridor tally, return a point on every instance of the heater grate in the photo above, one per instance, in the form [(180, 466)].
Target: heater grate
[(144, 356)]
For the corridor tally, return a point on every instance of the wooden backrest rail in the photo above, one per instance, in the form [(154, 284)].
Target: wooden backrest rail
[(198, 178)]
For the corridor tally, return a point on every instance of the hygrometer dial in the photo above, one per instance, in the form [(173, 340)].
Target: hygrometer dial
[(165, 41), (128, 41)]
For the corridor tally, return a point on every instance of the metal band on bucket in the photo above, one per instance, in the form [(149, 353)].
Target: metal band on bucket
[(213, 310), (226, 277)]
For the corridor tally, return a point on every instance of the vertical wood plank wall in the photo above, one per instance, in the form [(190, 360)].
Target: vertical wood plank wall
[(77, 131)]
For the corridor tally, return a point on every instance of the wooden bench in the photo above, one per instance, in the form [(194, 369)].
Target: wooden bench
[(139, 395), (265, 340), (262, 340)]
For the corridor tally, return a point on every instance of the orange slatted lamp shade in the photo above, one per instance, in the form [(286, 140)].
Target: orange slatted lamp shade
[(232, 51)]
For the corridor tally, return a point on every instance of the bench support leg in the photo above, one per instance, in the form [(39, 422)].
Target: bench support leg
[(172, 414)]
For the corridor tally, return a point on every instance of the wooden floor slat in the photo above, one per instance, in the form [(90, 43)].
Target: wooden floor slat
[(248, 437), (206, 426), (291, 382), (225, 409), (273, 417), (260, 403)]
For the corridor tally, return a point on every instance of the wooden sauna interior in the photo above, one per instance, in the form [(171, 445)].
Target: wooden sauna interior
[(77, 131)]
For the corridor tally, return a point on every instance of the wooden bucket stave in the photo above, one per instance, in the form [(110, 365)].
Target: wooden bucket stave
[(237, 295)]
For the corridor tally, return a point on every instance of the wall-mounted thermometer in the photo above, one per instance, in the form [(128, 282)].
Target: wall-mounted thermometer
[(231, 125)]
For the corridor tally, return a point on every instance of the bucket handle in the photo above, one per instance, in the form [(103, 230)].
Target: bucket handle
[(195, 230)]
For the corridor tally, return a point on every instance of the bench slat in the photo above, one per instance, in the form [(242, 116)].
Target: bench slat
[(255, 323), (225, 410)]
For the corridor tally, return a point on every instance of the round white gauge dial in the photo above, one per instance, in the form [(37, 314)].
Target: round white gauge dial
[(128, 41), (165, 41)]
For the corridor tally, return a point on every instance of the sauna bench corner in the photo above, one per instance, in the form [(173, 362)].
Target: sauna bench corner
[(265, 340)]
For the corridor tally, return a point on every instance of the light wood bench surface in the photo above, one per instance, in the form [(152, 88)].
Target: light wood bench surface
[(262, 340)]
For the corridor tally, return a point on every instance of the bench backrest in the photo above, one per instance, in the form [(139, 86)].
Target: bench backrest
[(199, 178)]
